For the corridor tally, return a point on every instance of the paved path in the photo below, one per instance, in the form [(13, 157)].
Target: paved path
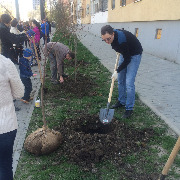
[(157, 81)]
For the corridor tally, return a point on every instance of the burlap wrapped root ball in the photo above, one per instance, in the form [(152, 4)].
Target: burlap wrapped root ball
[(43, 141)]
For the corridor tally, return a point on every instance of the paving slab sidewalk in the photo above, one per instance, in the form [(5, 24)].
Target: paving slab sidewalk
[(157, 82)]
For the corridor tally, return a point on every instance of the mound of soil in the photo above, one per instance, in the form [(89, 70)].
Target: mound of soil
[(82, 87), (88, 141)]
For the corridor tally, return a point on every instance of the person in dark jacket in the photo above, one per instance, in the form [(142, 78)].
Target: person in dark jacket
[(25, 74), (130, 48), (7, 39)]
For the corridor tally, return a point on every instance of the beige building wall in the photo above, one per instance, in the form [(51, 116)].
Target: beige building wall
[(144, 10), (86, 13)]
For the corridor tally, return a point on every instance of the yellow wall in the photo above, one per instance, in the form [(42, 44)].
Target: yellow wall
[(87, 18), (145, 10)]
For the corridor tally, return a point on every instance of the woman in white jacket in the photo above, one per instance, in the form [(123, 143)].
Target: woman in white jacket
[(11, 87)]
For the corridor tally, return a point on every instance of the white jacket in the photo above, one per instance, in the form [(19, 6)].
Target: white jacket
[(15, 30), (11, 87)]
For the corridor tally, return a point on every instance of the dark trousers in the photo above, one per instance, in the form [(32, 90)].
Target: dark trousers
[(28, 88), (6, 151), (44, 38), (19, 50)]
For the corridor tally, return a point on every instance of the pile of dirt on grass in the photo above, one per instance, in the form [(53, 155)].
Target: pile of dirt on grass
[(83, 86), (87, 141)]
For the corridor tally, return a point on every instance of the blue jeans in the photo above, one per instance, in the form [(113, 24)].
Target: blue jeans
[(126, 79), (28, 88), (6, 151)]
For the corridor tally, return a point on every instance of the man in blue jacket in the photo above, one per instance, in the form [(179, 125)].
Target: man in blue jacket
[(130, 49), (45, 30)]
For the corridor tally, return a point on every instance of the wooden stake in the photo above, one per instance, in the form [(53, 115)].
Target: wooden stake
[(170, 159)]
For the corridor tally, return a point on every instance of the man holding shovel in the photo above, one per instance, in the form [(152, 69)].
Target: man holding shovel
[(130, 49), (56, 53)]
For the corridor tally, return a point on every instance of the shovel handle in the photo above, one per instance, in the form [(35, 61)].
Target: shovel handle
[(112, 83), (170, 159)]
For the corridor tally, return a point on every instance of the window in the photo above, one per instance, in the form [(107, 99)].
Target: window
[(122, 2), (136, 32), (113, 4), (87, 9), (158, 33), (96, 7), (103, 5)]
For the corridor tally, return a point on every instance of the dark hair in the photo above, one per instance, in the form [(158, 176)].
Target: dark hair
[(5, 18), (36, 23), (14, 22), (72, 55), (106, 29)]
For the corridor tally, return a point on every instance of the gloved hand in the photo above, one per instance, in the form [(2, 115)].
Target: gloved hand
[(115, 75)]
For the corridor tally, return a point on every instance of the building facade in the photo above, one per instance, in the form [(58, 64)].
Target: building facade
[(156, 23), (36, 4)]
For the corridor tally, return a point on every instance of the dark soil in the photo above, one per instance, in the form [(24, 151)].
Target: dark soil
[(87, 141), (79, 87)]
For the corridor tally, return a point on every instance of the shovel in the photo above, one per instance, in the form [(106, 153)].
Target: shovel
[(106, 115)]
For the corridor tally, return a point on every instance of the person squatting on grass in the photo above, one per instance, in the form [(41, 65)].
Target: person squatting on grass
[(131, 50), (56, 53), (11, 88), (25, 74)]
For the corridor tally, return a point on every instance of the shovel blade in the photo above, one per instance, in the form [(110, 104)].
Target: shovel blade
[(106, 115)]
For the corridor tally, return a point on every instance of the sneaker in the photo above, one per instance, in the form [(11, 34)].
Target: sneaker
[(17, 109), (31, 98), (54, 82), (24, 101), (118, 105), (65, 76), (127, 114)]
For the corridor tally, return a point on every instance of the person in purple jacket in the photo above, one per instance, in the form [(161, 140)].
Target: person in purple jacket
[(36, 29)]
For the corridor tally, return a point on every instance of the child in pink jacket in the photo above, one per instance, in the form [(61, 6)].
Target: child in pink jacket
[(36, 29)]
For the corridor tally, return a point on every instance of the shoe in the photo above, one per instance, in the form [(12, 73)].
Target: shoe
[(31, 98), (127, 114), (65, 76), (17, 109), (24, 101), (55, 82), (36, 64), (118, 105)]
